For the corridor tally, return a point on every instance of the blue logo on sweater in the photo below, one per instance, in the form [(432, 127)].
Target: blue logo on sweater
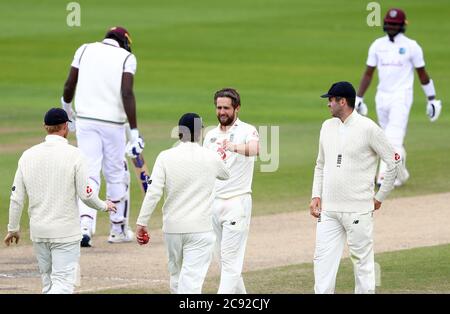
[(402, 51)]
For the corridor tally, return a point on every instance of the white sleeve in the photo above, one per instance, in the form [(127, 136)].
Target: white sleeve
[(130, 64), (252, 135), (381, 145), (417, 56), (17, 200), (206, 141), (154, 192), (77, 56), (83, 190), (318, 170), (372, 60)]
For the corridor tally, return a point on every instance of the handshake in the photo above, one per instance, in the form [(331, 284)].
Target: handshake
[(135, 144)]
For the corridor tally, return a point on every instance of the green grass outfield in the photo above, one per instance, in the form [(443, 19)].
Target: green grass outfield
[(421, 270), (280, 54)]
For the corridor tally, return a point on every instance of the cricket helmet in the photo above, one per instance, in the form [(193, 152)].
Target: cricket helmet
[(395, 16), (121, 35)]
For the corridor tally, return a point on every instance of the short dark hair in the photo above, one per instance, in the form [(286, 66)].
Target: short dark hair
[(190, 126), (350, 101), (230, 93)]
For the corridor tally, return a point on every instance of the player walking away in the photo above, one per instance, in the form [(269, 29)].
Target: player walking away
[(343, 190), (52, 175), (237, 143), (395, 56), (186, 174), (102, 73)]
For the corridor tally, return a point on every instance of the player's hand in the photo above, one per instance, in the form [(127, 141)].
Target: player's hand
[(376, 204), (360, 106), (434, 108), (70, 113), (110, 207), (142, 235), (11, 236), (227, 145), (315, 207), (135, 145)]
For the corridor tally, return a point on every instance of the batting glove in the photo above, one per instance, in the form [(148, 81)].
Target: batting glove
[(136, 144), (360, 106), (72, 117), (434, 108)]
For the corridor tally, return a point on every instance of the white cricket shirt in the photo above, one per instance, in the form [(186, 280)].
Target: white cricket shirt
[(186, 174), (53, 175), (241, 167), (395, 62), (347, 162), (100, 67)]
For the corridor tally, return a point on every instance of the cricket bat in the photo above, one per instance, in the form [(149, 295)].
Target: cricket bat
[(140, 166)]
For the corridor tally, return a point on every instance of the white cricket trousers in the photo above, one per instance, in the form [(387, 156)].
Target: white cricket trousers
[(190, 255), (393, 114), (333, 229), (103, 145), (59, 266), (231, 222)]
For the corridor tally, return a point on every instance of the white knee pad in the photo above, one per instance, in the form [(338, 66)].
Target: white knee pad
[(119, 193)]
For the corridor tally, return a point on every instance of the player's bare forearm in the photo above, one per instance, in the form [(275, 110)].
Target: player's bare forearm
[(128, 99), (248, 149), (70, 85), (365, 81)]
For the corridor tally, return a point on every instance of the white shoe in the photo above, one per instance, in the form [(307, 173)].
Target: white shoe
[(126, 236), (86, 241)]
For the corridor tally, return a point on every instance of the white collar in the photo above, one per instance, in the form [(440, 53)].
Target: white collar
[(110, 41), (397, 38), (235, 124), (55, 138)]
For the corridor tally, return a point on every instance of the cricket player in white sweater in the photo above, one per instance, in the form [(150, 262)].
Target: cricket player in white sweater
[(186, 174), (53, 175), (396, 56), (102, 74), (237, 143), (343, 197)]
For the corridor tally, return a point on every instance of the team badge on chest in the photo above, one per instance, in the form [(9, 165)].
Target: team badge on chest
[(402, 51)]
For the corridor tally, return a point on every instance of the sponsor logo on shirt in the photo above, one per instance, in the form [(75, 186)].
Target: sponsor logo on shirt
[(88, 190), (402, 51), (339, 160), (13, 188), (396, 157)]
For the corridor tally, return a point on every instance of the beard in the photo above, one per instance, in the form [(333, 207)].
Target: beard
[(225, 120)]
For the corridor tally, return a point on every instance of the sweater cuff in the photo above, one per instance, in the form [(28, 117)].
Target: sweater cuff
[(13, 228), (141, 222), (381, 196)]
